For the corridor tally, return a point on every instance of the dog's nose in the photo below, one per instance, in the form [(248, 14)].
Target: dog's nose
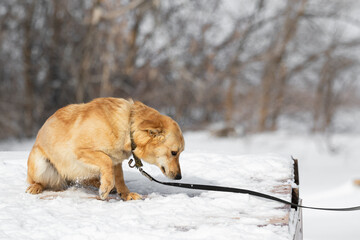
[(178, 176)]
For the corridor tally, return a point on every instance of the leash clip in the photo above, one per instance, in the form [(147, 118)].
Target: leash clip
[(137, 164), (132, 166)]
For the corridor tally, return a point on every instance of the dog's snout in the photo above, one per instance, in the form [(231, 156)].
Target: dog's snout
[(178, 176)]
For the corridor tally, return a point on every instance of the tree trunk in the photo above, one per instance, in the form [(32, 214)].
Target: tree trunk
[(329, 108), (320, 102), (265, 99), (87, 55), (279, 98), (273, 70), (28, 74), (105, 87), (54, 62), (133, 48), (229, 103)]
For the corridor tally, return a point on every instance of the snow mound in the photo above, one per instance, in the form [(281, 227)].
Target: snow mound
[(165, 213)]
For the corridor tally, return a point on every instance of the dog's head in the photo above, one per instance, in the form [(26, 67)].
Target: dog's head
[(158, 140)]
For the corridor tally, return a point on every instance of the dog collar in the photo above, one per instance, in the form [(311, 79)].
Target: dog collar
[(138, 163)]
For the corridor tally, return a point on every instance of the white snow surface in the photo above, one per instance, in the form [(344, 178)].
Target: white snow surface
[(256, 162)]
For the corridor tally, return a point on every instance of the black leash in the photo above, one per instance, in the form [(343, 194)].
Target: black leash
[(232, 190)]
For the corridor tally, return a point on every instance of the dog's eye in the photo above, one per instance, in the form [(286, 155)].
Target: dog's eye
[(174, 153)]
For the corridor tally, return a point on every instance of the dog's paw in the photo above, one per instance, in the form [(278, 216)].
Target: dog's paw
[(35, 188), (104, 193), (130, 196)]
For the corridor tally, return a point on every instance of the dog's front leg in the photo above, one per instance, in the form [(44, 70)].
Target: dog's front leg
[(105, 165), (120, 186)]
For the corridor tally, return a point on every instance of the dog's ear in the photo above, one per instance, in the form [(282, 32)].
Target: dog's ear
[(153, 127)]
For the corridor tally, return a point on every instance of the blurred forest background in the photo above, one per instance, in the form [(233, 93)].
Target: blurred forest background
[(244, 63)]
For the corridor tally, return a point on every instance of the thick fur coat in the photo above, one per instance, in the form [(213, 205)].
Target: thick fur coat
[(87, 143)]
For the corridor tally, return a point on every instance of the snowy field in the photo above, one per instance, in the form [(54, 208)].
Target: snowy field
[(327, 169)]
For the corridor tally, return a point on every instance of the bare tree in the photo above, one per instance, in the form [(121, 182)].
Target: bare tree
[(198, 61), (327, 99), (274, 74)]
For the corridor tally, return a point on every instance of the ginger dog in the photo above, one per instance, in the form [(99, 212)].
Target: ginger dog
[(88, 142)]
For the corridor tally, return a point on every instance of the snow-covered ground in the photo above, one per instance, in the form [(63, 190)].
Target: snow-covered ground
[(327, 169), (328, 166)]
